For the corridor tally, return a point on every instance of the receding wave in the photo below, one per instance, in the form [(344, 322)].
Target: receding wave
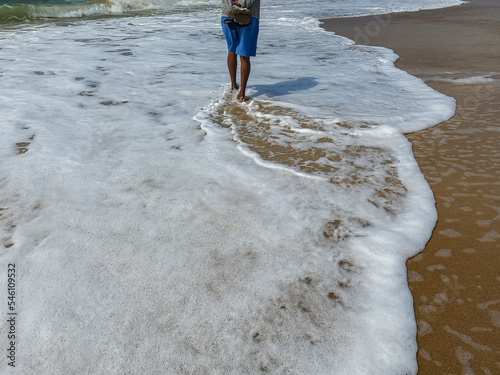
[(24, 10)]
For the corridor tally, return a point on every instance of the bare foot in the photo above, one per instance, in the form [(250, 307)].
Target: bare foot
[(241, 97), (235, 87)]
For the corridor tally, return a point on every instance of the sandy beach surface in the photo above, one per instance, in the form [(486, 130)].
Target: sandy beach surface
[(455, 282)]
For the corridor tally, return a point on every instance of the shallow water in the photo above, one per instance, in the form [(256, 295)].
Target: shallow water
[(26, 11), (460, 300), (158, 224)]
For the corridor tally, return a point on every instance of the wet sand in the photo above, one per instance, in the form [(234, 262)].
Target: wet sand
[(455, 281)]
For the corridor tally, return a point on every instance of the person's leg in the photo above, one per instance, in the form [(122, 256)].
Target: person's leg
[(232, 65), (232, 39), (246, 48), (245, 73)]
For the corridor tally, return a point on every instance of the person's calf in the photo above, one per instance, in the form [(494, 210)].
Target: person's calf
[(232, 65), (245, 74)]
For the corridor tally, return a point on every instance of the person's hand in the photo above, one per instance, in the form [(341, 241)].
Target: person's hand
[(237, 3)]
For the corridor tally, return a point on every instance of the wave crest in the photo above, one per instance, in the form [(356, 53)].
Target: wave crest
[(23, 11)]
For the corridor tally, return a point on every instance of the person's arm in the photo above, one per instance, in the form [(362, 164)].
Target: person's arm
[(253, 5), (244, 3), (227, 5)]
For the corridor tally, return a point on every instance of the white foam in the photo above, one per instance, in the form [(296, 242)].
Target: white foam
[(289, 11), (473, 80), (340, 8), (443, 253), (147, 239)]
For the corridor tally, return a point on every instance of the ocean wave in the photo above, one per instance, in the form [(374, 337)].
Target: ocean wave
[(23, 10)]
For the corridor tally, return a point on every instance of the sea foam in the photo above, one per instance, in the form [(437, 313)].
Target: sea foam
[(158, 226)]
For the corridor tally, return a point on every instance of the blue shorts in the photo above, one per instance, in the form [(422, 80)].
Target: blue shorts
[(243, 40)]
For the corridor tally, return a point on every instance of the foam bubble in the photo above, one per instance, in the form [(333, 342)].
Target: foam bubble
[(436, 267), (464, 357), (424, 328), (445, 253), (440, 298), (491, 236), (451, 233), (495, 318), (473, 80)]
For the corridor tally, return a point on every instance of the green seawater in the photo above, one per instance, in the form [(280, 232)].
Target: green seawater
[(22, 11)]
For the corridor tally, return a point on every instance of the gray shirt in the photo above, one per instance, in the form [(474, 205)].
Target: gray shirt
[(252, 5)]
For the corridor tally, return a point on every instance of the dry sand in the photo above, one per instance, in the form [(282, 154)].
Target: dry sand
[(456, 281)]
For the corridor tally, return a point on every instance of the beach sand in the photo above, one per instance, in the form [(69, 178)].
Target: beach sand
[(455, 282)]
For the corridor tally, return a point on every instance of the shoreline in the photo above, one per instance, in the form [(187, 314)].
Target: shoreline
[(454, 281)]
